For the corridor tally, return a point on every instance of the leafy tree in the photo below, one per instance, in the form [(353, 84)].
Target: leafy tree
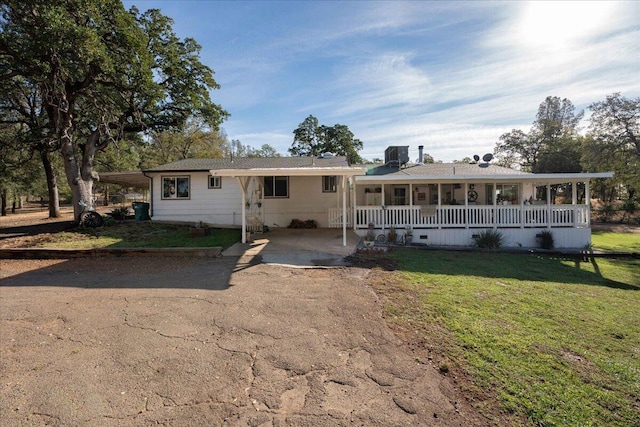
[(193, 141), (18, 167), (265, 150), (465, 161), (517, 147), (563, 156), (427, 158), (311, 139), (554, 131), (102, 71), (614, 141), (21, 106)]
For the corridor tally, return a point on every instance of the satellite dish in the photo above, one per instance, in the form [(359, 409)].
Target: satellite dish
[(476, 157), (487, 157)]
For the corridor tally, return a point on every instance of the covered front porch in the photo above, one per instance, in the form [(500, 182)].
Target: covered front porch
[(448, 212)]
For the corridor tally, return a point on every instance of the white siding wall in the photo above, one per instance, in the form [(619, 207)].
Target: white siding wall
[(306, 201), (222, 207)]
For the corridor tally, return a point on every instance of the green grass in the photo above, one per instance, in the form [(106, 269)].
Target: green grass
[(615, 242), (555, 340), (129, 234)]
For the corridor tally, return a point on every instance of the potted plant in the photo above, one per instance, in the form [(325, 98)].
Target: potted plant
[(408, 234), (391, 237), (199, 229)]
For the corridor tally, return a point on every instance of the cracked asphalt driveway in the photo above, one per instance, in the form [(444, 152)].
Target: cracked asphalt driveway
[(176, 341)]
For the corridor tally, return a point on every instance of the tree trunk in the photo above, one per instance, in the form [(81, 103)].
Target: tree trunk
[(106, 195), (3, 202), (80, 175), (52, 185)]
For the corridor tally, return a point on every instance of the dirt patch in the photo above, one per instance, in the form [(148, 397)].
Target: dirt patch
[(31, 225), (616, 228)]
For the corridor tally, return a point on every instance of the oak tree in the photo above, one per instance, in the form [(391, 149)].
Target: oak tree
[(102, 71)]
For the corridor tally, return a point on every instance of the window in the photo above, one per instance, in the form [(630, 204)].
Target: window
[(215, 182), (329, 184), (276, 186), (506, 194), (175, 187)]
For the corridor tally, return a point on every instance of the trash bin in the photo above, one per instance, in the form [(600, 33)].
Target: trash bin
[(141, 210)]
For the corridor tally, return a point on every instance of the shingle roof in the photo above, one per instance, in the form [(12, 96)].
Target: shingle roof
[(445, 169), (192, 165)]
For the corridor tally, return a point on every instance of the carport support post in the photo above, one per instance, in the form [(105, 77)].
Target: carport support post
[(243, 186), (344, 210)]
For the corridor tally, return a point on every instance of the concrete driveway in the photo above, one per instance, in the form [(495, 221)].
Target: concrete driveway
[(187, 341), (298, 247)]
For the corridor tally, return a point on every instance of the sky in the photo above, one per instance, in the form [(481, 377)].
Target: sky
[(452, 76)]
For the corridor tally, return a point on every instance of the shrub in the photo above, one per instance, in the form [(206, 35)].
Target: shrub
[(296, 223), (120, 213), (489, 239), (606, 212), (629, 208), (546, 239)]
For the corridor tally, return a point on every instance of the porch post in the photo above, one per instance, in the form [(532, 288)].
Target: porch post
[(587, 200), (549, 205), (344, 211), (411, 219), (466, 205), (495, 205), (522, 213), (439, 210), (354, 204), (574, 202)]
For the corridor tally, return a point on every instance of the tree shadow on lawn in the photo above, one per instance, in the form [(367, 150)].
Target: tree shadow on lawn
[(525, 267)]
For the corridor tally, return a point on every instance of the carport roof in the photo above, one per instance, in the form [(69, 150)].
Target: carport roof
[(127, 179)]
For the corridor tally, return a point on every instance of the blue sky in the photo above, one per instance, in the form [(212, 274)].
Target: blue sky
[(452, 76)]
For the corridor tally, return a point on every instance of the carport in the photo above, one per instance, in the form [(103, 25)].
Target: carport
[(247, 175)]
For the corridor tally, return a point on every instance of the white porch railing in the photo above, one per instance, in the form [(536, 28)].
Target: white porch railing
[(335, 217), (511, 216)]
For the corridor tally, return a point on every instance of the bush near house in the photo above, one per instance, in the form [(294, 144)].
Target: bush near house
[(489, 239), (296, 223)]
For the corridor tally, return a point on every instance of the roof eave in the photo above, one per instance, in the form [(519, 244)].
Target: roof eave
[(345, 171), (528, 177)]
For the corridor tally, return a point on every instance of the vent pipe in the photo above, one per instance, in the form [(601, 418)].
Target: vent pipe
[(420, 154)]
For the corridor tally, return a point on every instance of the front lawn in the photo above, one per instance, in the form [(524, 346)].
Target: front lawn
[(130, 234), (615, 242), (556, 342)]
